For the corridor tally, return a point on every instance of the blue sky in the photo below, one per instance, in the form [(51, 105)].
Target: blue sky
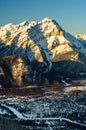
[(70, 14)]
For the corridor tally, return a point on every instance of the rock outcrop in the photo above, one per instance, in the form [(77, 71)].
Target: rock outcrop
[(15, 70)]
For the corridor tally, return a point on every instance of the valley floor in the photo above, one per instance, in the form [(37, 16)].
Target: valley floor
[(61, 106)]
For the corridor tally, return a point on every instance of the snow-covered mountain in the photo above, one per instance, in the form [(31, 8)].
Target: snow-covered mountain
[(46, 34), (81, 36), (45, 45)]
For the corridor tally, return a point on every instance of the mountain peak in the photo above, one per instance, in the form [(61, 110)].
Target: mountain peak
[(46, 34), (7, 26), (24, 23), (46, 20)]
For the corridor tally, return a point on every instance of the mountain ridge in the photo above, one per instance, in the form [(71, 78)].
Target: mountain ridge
[(45, 46)]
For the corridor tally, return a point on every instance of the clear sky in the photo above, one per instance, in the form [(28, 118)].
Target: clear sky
[(70, 14)]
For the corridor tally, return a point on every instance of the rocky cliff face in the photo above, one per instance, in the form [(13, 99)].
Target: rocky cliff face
[(46, 47), (15, 71)]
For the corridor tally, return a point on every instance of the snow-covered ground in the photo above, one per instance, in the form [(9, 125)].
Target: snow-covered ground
[(59, 106), (67, 111)]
